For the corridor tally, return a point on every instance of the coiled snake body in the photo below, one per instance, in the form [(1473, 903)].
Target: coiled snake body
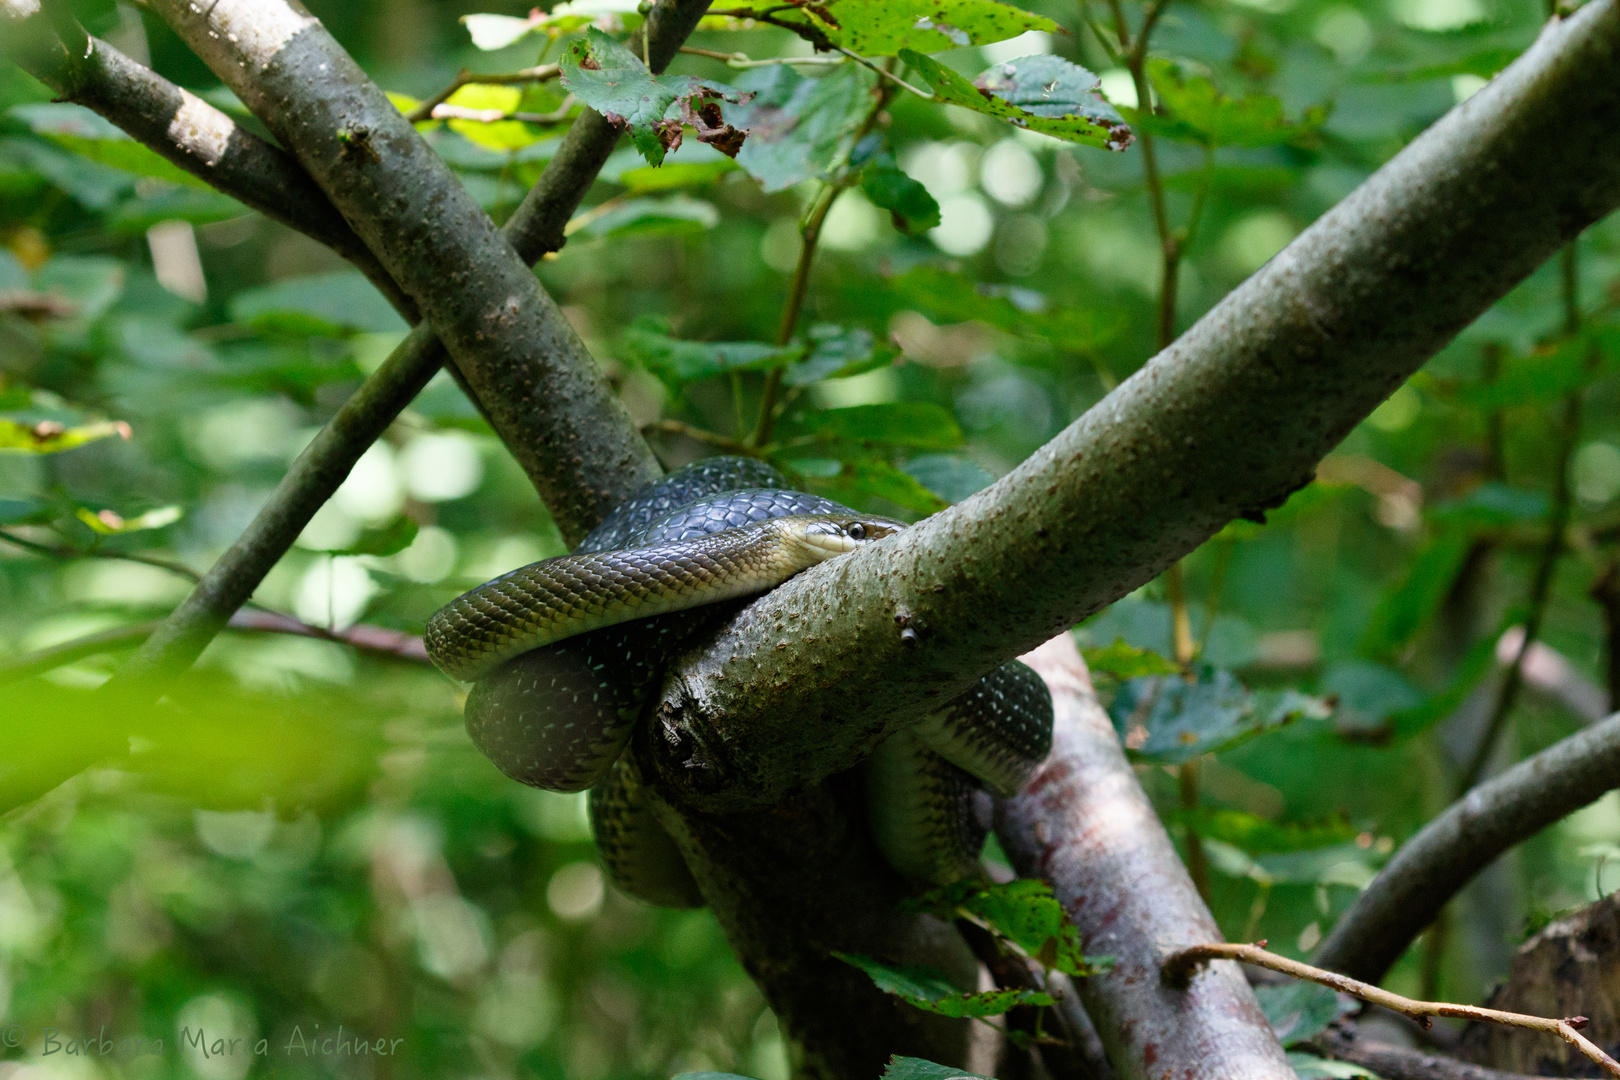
[(563, 653)]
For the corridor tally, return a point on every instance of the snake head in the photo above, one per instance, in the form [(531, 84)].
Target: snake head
[(827, 535)]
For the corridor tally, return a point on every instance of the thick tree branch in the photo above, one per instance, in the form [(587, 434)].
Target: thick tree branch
[(535, 229), (1085, 825), (197, 137), (1434, 865), (1226, 422), (540, 387)]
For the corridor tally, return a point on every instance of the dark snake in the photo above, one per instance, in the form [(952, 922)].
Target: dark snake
[(563, 655)]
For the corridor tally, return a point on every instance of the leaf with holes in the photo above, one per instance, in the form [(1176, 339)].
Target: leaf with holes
[(1045, 93), (927, 989), (607, 76)]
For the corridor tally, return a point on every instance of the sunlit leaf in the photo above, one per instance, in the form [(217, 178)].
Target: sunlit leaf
[(50, 437), (1123, 661), (1258, 835), (112, 523), (494, 134), (1043, 93), (1023, 911), (928, 990), (884, 27), (490, 32), (1311, 1067)]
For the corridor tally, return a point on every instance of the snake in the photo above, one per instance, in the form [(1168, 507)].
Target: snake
[(562, 656)]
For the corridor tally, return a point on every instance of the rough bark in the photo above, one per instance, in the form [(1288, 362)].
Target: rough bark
[(1226, 422), (1085, 825), (1434, 865), (541, 389), (1571, 967)]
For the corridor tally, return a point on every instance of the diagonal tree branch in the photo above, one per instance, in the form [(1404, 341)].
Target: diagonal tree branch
[(542, 390), (1434, 865), (1085, 825), (1226, 422), (197, 137), (535, 229)]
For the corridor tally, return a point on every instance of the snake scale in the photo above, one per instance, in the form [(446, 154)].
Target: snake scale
[(563, 655)]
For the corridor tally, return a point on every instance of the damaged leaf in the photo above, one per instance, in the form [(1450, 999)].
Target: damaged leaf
[(607, 76), (1045, 93)]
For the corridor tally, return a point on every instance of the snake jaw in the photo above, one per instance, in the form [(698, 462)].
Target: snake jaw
[(824, 536)]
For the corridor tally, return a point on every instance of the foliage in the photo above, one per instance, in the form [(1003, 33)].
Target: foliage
[(305, 836)]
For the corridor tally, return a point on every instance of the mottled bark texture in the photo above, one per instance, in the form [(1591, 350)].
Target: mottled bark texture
[(1226, 422), (1434, 865), (1572, 967), (539, 386), (1085, 825)]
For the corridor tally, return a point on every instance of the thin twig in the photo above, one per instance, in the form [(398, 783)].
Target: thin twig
[(494, 116), (1180, 966), (742, 60), (926, 95), (424, 111), (676, 427), (63, 551)]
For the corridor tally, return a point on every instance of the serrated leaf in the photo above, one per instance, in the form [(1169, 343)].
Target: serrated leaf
[(1044, 93), (605, 75), (389, 539), (1301, 1010), (80, 131), (1124, 661), (901, 423), (674, 361), (848, 481), (910, 1068), (796, 123), (951, 477), (884, 27), (48, 437), (927, 989), (1167, 720), (837, 352), (1198, 112), (111, 523), (911, 208)]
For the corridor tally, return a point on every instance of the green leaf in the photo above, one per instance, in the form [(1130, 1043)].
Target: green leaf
[(884, 27), (491, 32), (848, 481), (1167, 720), (174, 204), (951, 477), (611, 79), (1257, 835), (1407, 607), (77, 129), (92, 283), (1198, 112), (1123, 661), (1024, 912), (948, 297), (674, 361), (111, 523), (1550, 375), (22, 512), (910, 1068), (1311, 1067), (1479, 662), (321, 304), (912, 209), (677, 174), (389, 539), (795, 123), (49, 437), (928, 990), (674, 215), (901, 423), (837, 352), (500, 136), (1301, 1010), (1045, 93), (1491, 506)]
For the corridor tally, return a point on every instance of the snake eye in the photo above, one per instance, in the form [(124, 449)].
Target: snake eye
[(856, 530)]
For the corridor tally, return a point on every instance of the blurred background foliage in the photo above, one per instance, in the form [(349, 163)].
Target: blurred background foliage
[(309, 840)]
